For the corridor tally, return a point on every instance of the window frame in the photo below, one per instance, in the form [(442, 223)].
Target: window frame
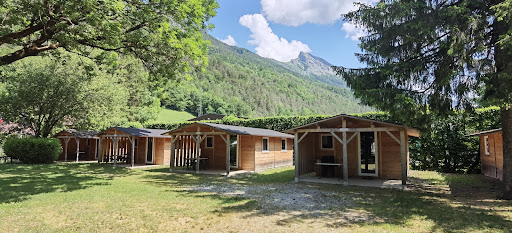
[(322, 145), (487, 145), (262, 145), (206, 142), (285, 144)]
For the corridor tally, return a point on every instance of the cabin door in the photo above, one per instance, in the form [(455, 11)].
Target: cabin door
[(233, 151), (150, 150), (368, 157)]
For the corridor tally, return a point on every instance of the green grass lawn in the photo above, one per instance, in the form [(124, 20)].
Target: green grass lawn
[(99, 198), (171, 116)]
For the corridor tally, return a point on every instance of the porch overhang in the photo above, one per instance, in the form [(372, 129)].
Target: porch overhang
[(358, 125)]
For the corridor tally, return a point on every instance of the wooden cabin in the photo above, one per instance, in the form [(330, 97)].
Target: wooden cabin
[(134, 146), (227, 147), (491, 152), (352, 147), (78, 145)]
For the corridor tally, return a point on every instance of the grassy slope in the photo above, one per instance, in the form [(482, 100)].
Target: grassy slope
[(170, 116), (99, 198)]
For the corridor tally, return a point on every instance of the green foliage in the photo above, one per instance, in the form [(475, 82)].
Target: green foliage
[(239, 82), (50, 93), (445, 148), (431, 57), (165, 34), (33, 150)]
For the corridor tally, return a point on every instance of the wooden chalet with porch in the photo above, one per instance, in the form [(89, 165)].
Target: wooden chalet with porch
[(352, 147), (78, 145), (225, 147), (134, 146)]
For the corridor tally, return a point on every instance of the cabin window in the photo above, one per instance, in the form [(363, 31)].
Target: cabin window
[(265, 145), (136, 142), (209, 142), (486, 145), (284, 147), (327, 142)]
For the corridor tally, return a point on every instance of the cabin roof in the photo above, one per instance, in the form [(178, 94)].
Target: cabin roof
[(77, 133), (484, 132), (239, 130), (410, 131), (139, 132)]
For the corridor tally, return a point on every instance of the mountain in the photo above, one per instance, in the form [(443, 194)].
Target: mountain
[(240, 82), (317, 68)]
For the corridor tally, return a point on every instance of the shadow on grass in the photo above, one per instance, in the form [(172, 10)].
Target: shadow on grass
[(368, 206), (19, 181)]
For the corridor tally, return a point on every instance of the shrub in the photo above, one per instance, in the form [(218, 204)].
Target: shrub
[(33, 150)]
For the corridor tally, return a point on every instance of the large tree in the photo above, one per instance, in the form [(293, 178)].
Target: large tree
[(164, 34), (435, 56), (48, 93)]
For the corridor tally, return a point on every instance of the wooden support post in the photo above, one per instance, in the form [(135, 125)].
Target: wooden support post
[(66, 140), (345, 154), (228, 165), (77, 148), (345, 159), (403, 158), (100, 155), (173, 148), (133, 150), (198, 155), (296, 155), (114, 150)]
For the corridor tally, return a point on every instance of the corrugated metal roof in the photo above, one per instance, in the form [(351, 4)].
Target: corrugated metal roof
[(242, 130), (79, 134), (143, 132), (484, 132)]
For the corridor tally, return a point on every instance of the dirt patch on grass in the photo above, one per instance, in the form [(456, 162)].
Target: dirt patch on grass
[(282, 197)]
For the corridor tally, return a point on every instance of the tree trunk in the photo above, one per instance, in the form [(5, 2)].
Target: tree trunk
[(506, 121)]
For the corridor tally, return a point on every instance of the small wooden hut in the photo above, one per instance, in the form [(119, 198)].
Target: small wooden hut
[(134, 146), (491, 152), (78, 145), (227, 147), (347, 146)]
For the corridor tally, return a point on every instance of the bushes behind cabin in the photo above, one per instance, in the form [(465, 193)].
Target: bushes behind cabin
[(33, 150)]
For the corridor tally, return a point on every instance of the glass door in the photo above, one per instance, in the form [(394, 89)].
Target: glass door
[(233, 151), (368, 158), (149, 152)]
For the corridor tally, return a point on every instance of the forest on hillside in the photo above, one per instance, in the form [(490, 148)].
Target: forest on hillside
[(239, 82)]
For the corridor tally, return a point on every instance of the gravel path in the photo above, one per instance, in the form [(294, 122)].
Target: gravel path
[(282, 197)]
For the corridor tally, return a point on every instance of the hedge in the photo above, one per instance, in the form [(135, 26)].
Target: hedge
[(279, 123), (33, 150), (442, 146)]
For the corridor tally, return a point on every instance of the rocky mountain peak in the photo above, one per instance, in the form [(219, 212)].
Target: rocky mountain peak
[(310, 64)]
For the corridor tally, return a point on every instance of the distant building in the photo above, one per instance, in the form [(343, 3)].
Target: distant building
[(491, 152), (207, 117)]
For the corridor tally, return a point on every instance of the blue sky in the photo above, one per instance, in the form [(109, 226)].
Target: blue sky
[(280, 29)]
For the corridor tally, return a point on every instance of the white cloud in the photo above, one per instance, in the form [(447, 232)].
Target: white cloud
[(229, 41), (353, 31), (269, 44), (298, 12)]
